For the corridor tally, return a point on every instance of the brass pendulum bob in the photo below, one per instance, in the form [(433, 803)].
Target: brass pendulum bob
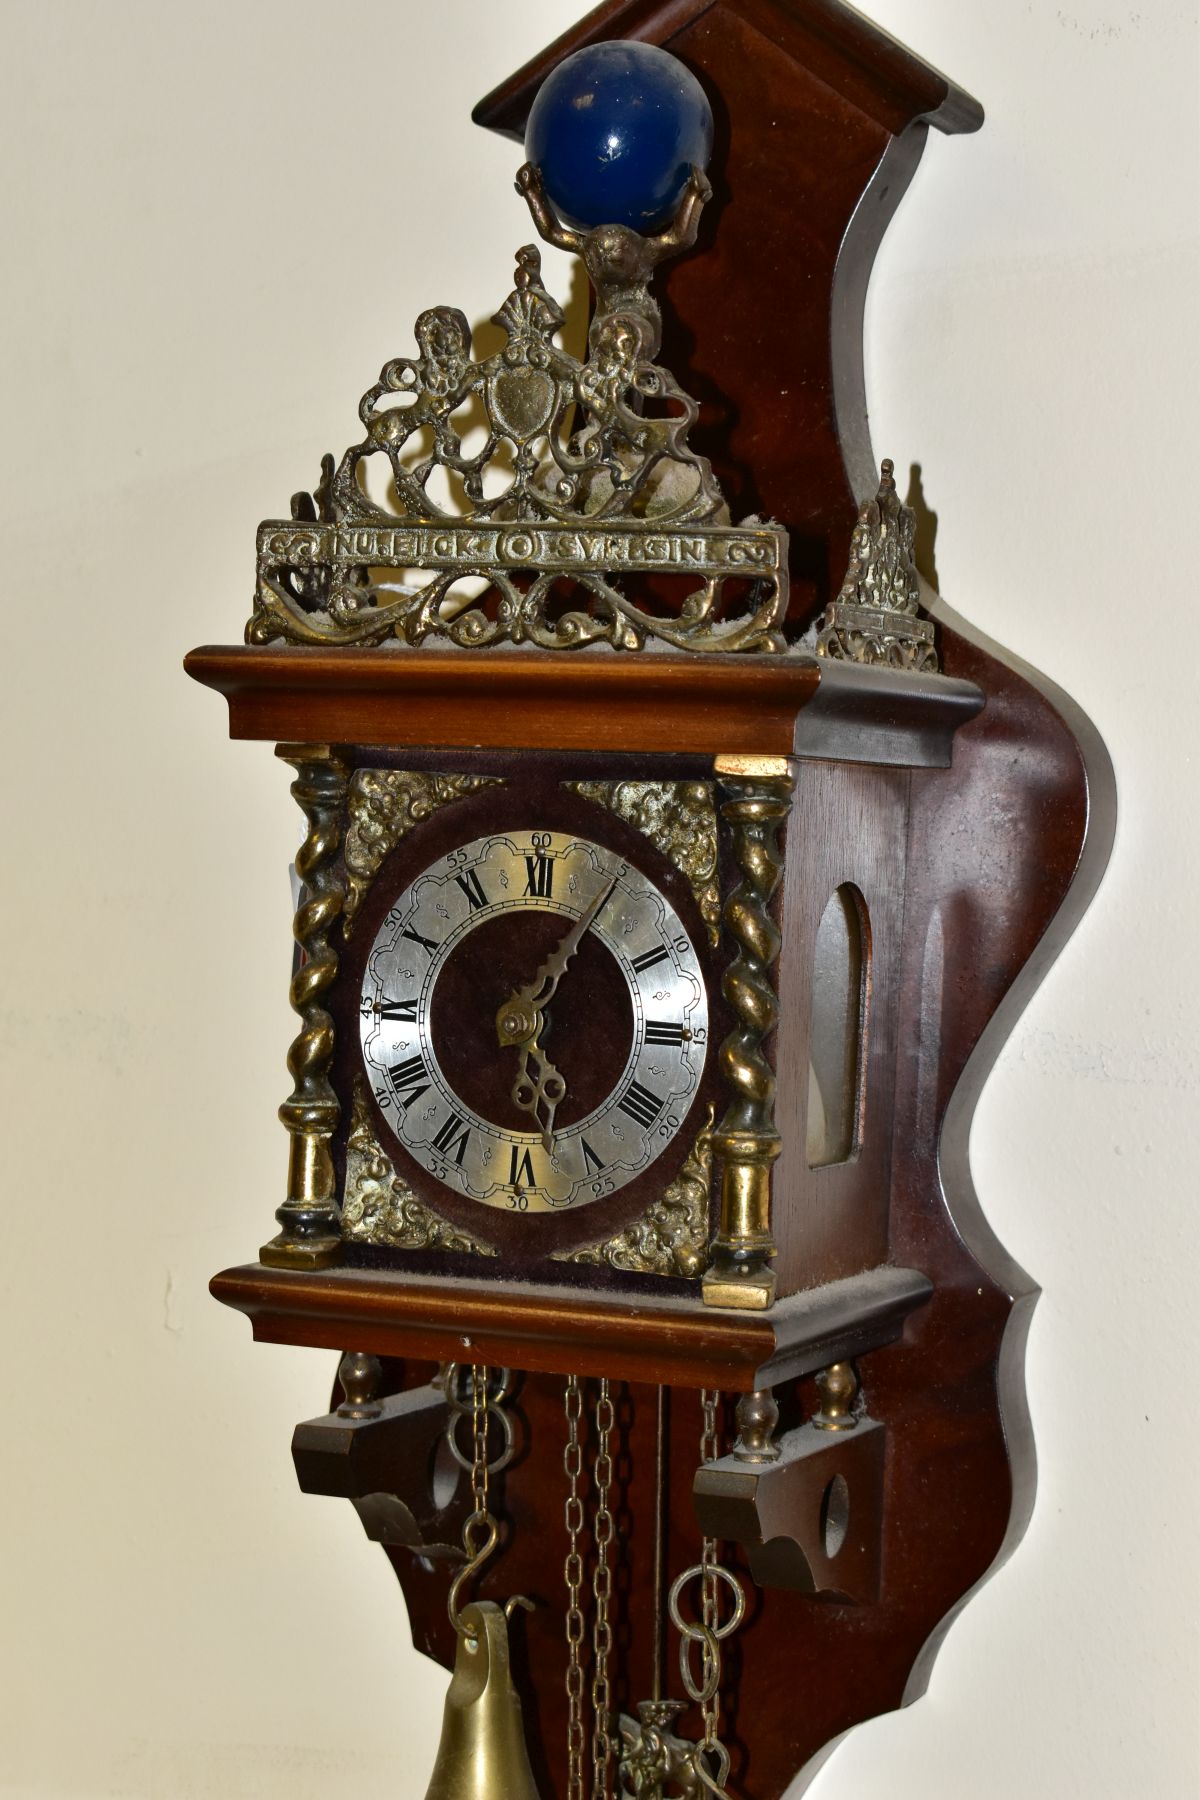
[(482, 1755)]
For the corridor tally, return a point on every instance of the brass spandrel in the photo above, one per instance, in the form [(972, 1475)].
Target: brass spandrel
[(671, 1237), (379, 1207), (382, 806), (680, 820)]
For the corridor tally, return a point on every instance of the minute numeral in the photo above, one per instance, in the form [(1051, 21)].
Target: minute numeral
[(416, 938), (640, 1103), (661, 1031), (453, 1138), (410, 1079), (520, 1169), (541, 877), (471, 886), (404, 1010), (648, 958)]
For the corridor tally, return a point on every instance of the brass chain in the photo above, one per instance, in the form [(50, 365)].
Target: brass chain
[(481, 1533), (710, 1449), (710, 1758), (602, 1533), (457, 1383), (573, 1572), (479, 1437)]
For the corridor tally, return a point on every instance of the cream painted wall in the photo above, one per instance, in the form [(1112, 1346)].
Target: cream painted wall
[(218, 221)]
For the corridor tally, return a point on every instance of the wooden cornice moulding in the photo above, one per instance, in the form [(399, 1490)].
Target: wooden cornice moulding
[(708, 705), (849, 50), (560, 1332)]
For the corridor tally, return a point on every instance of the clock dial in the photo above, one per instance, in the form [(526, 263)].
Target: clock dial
[(534, 1021)]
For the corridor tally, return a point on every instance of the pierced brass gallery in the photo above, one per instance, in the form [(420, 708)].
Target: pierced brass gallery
[(712, 550)]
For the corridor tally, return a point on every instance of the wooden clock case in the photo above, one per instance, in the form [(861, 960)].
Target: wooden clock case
[(958, 806)]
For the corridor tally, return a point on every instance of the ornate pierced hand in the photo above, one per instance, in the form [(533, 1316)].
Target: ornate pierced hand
[(539, 1088)]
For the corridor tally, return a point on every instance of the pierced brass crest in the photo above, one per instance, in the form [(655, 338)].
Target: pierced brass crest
[(584, 486), (876, 618)]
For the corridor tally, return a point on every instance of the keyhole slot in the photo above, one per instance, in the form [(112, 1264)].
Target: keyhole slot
[(835, 1516)]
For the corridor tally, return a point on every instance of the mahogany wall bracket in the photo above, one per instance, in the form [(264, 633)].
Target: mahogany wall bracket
[(876, 1462)]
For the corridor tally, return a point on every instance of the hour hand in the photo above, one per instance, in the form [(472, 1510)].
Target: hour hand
[(538, 1089), (520, 1021)]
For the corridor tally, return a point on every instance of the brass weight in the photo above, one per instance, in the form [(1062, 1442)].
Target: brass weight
[(482, 1754)]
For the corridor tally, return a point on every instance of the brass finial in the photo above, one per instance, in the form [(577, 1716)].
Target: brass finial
[(876, 617), (838, 1388), (360, 1375), (757, 1417)]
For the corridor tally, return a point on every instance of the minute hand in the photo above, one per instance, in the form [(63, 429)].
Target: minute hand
[(550, 973), (517, 1021)]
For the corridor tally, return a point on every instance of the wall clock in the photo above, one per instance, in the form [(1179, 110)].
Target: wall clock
[(668, 869)]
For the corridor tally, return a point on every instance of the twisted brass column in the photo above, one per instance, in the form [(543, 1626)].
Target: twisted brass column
[(756, 799), (311, 1232)]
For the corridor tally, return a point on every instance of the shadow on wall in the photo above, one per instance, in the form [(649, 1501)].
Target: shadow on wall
[(924, 552)]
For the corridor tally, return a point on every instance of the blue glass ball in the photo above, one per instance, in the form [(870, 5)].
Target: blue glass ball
[(615, 129)]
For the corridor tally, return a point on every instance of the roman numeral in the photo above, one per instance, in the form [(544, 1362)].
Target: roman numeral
[(404, 1010), (416, 938), (520, 1172), (452, 1139), (640, 1103), (410, 1079), (661, 1031), (590, 1159), (648, 958), (469, 882), (541, 877)]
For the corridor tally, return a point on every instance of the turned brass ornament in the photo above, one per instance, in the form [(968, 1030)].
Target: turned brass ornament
[(657, 1764)]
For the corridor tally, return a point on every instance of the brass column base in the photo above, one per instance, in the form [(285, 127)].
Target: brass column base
[(746, 1284), (289, 1251), (740, 1273)]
